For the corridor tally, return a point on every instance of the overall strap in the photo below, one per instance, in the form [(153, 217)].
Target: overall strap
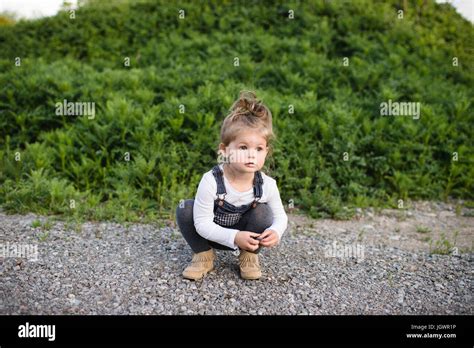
[(216, 171), (257, 183)]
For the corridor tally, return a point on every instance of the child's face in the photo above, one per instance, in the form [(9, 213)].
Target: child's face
[(248, 147)]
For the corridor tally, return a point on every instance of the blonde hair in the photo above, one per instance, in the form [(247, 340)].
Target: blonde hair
[(248, 112)]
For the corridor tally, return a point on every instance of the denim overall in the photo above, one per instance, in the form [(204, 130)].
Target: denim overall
[(225, 213)]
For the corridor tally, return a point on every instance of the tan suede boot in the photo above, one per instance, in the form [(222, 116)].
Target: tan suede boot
[(201, 264), (249, 265)]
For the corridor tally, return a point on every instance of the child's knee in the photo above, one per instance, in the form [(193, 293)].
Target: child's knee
[(184, 210), (263, 215), (263, 209)]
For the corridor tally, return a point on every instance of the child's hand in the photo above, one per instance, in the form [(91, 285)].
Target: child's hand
[(245, 241), (269, 238)]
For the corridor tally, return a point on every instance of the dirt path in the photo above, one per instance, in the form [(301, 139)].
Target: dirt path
[(390, 262)]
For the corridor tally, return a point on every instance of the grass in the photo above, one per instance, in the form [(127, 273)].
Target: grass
[(443, 246), (36, 223), (469, 213), (46, 226), (423, 229), (43, 236)]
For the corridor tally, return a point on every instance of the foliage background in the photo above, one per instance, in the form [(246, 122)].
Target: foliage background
[(190, 62)]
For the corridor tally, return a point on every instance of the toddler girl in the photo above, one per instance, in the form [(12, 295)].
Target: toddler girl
[(236, 205)]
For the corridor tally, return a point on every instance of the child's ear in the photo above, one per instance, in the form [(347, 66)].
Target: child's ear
[(222, 149)]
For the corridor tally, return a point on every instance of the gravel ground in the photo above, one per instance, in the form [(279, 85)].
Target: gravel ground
[(107, 268)]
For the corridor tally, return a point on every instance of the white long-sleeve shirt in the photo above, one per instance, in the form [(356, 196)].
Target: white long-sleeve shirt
[(203, 210)]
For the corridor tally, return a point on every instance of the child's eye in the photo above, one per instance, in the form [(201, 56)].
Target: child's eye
[(243, 147), (259, 149)]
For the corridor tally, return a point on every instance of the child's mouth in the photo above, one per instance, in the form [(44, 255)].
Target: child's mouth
[(250, 165)]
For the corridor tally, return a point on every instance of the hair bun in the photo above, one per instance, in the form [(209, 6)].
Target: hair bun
[(248, 102)]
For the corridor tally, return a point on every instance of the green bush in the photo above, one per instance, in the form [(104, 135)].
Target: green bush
[(333, 153)]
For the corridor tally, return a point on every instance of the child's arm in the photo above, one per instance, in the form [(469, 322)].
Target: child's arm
[(203, 214), (280, 219)]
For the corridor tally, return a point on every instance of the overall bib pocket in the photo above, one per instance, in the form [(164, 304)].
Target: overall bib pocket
[(224, 218), (227, 214)]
